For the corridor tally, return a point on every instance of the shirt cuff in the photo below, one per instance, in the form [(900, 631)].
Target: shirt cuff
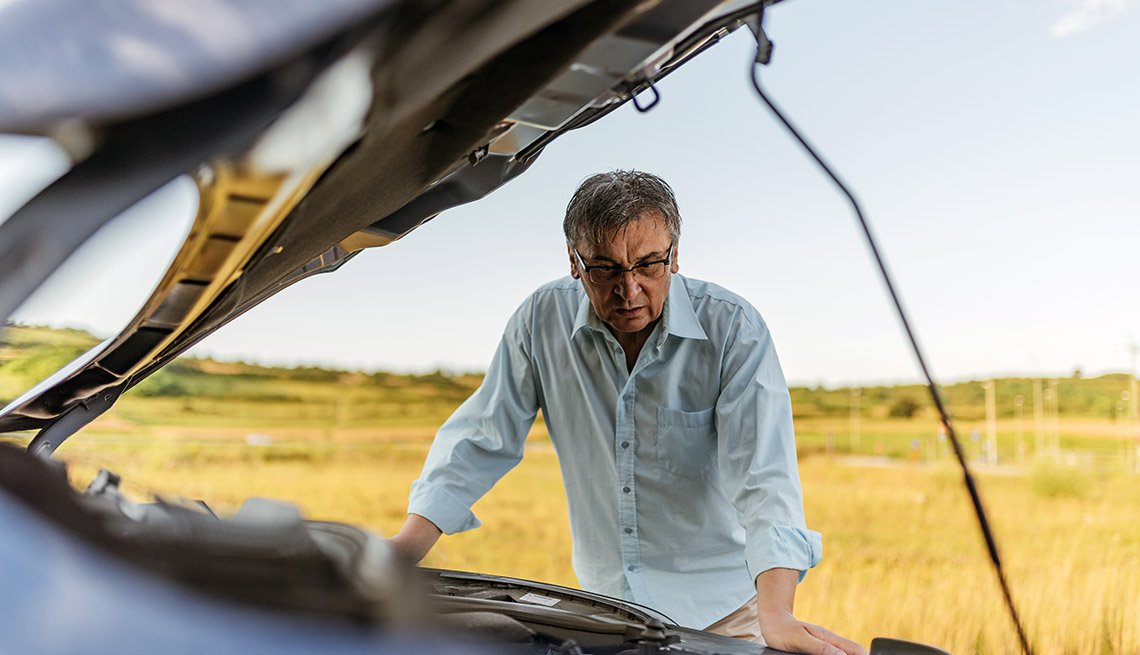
[(783, 547), (439, 506)]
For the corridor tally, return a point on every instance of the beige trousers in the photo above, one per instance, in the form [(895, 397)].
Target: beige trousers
[(741, 624)]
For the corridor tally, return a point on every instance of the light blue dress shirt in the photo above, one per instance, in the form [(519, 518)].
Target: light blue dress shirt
[(680, 476)]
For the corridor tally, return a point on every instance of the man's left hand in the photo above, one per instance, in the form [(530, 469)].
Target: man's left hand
[(785, 632), (775, 596)]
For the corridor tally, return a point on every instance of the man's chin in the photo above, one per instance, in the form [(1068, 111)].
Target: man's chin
[(629, 324)]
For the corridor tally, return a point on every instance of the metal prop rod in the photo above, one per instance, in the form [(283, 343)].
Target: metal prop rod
[(975, 497)]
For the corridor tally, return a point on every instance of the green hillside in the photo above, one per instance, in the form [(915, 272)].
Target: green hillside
[(30, 354), (204, 390), (1077, 398)]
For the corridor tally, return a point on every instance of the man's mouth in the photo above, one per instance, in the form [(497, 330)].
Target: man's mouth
[(628, 312)]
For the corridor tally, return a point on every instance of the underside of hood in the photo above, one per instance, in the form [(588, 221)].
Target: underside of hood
[(372, 124)]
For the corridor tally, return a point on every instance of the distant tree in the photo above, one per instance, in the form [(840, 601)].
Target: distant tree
[(162, 384), (905, 407)]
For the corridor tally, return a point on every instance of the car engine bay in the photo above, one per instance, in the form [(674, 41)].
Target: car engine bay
[(269, 557)]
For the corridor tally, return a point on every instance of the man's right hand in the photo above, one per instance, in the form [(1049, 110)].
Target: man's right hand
[(416, 538)]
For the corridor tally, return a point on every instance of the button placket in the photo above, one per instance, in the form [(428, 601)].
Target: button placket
[(627, 470)]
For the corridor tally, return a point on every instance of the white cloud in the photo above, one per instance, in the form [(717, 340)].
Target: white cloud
[(1087, 14)]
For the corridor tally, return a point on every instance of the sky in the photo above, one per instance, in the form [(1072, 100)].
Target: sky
[(993, 145)]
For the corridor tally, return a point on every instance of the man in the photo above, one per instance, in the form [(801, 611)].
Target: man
[(671, 419)]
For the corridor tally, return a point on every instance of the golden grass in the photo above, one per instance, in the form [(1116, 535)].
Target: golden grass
[(903, 556)]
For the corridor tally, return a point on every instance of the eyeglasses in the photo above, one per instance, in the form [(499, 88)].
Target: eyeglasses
[(609, 274)]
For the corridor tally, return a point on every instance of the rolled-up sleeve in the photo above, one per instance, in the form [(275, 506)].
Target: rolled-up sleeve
[(757, 453), (483, 439)]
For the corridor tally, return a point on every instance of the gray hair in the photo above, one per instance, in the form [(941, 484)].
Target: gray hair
[(609, 201)]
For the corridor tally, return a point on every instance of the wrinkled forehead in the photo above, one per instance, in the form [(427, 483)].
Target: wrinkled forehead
[(621, 229), (638, 239)]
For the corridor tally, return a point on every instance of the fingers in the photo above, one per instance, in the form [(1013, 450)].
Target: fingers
[(788, 634), (809, 644), (838, 645), (808, 639)]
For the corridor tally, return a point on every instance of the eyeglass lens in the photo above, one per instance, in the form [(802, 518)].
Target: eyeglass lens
[(647, 271)]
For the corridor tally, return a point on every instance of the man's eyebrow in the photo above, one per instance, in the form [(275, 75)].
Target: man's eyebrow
[(653, 256), (602, 258), (656, 256)]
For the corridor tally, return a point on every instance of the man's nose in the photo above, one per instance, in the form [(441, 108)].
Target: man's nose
[(628, 286)]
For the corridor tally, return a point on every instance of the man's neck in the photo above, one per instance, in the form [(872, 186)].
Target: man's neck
[(632, 342)]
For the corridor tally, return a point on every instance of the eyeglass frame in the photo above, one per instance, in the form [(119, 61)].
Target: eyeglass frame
[(619, 271)]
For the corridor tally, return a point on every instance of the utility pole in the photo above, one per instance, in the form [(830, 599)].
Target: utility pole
[(1038, 419), (1134, 403), (1054, 419), (991, 422), (1018, 406), (342, 406), (856, 413)]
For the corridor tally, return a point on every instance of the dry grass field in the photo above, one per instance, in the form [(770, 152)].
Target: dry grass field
[(903, 556)]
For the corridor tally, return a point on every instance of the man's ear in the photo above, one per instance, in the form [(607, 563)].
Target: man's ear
[(574, 272), (674, 267)]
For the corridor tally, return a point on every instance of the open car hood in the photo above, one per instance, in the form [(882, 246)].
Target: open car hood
[(311, 134)]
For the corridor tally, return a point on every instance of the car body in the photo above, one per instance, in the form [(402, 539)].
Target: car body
[(416, 107)]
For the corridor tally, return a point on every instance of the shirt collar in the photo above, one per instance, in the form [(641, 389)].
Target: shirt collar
[(585, 316), (679, 318)]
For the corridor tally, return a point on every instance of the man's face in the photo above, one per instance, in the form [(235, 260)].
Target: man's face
[(632, 302)]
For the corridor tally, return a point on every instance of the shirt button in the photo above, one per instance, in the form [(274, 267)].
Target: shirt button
[(625, 444), (629, 530), (625, 489), (631, 567)]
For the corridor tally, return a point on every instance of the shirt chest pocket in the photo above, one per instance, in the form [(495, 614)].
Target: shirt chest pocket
[(686, 442)]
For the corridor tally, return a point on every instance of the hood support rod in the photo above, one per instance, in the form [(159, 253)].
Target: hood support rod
[(763, 56)]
